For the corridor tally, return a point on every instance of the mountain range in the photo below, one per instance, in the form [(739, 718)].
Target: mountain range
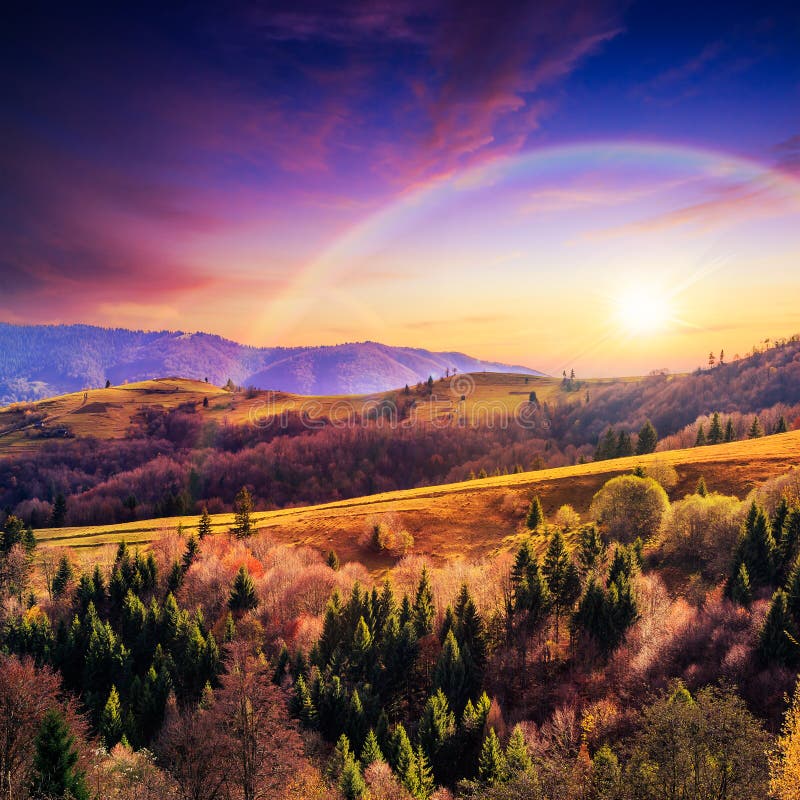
[(43, 360)]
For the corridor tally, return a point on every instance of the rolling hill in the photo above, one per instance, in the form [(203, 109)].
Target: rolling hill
[(39, 361), (465, 520)]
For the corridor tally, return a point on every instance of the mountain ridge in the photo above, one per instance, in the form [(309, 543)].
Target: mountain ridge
[(38, 361)]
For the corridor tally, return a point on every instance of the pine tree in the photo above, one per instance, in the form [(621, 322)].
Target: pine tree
[(535, 514), (341, 753), (756, 431), (648, 439), (371, 751), (624, 445), (607, 446), (757, 548), (730, 431), (423, 610), (492, 768), (204, 526), (701, 489), (740, 591), (55, 772), (518, 759), (436, 730), (700, 441), (715, 432), (111, 726), (243, 508), (781, 426), (793, 591), (778, 638), (243, 593)]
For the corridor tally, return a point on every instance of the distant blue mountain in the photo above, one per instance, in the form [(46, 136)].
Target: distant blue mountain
[(43, 360)]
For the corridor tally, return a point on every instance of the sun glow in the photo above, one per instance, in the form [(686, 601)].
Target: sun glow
[(641, 311)]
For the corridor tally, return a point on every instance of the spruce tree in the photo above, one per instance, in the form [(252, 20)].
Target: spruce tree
[(590, 548), (351, 782), (333, 560), (740, 591), (715, 432), (423, 610), (371, 751), (563, 580), (648, 439), (700, 440), (190, 553), (55, 773), (59, 516), (243, 593), (450, 675), (701, 488), (423, 775), (535, 514), (62, 578), (436, 730), (243, 508), (492, 768), (404, 760), (757, 548), (730, 431), (111, 725), (777, 642), (793, 592), (781, 426), (756, 431), (518, 759), (204, 526)]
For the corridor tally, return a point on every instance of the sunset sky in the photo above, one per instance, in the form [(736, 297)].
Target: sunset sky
[(609, 186)]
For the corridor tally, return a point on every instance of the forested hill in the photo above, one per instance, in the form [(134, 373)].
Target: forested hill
[(44, 360)]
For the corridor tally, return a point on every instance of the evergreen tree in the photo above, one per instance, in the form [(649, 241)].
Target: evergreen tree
[(333, 560), (757, 548), (535, 514), (781, 426), (561, 574), (778, 638), (371, 751), (341, 753), (701, 488), (449, 675), (111, 726), (423, 610), (243, 508), (302, 703), (190, 554), (700, 441), (715, 432), (55, 772), (29, 540), (730, 431), (436, 730), (607, 446), (62, 578), (423, 775), (590, 548), (404, 760), (648, 439), (351, 782), (606, 775), (492, 768), (518, 759), (756, 431), (624, 445), (740, 591), (59, 516), (243, 593), (204, 526)]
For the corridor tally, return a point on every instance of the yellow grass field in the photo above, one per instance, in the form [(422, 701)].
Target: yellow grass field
[(107, 413), (468, 520)]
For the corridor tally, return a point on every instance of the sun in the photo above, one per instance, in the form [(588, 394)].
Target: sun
[(641, 311)]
